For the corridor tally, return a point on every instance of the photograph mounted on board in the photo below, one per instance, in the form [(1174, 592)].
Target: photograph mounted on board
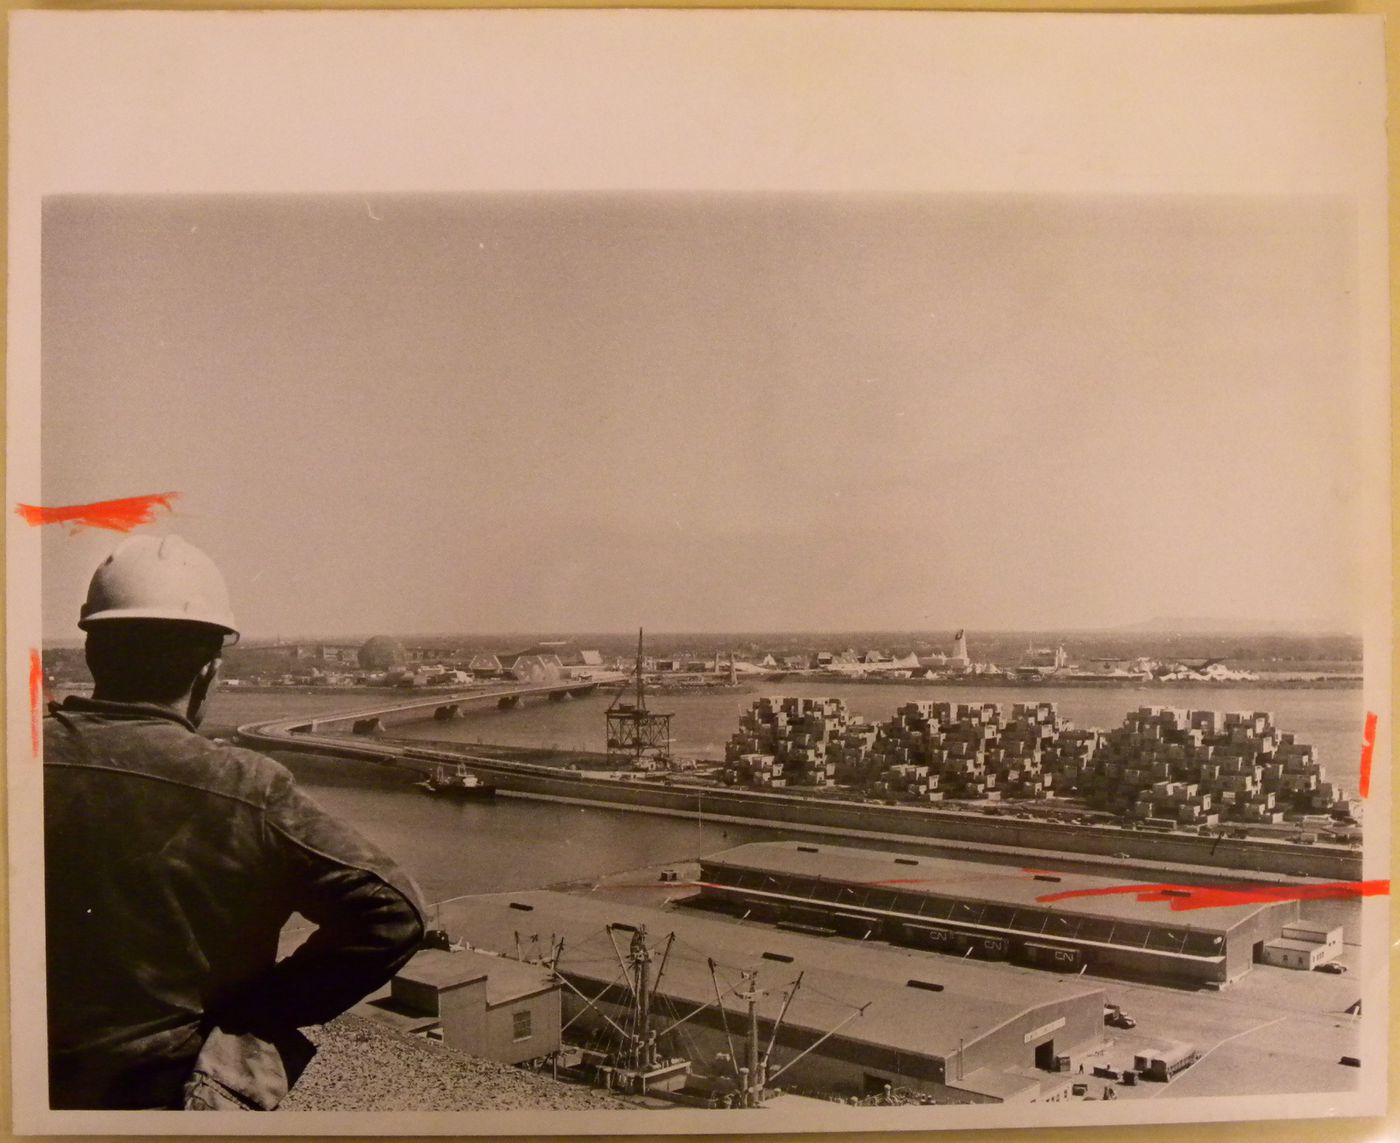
[(842, 617)]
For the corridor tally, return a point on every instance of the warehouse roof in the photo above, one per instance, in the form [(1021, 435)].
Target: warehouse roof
[(956, 1000), (506, 978), (1105, 897), (1295, 927), (1005, 1085)]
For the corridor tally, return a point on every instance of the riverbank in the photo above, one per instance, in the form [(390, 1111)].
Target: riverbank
[(785, 810), (1049, 810)]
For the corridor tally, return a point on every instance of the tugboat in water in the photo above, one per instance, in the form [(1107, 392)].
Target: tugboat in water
[(456, 782)]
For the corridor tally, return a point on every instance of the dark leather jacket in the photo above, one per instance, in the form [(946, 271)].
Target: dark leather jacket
[(171, 865)]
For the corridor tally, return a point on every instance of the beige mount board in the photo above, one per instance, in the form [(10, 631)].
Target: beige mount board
[(1241, 132)]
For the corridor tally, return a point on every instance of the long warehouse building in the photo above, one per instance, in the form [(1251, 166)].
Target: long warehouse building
[(1066, 922), (866, 1015)]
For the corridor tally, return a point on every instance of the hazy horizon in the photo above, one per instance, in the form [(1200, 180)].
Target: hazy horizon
[(517, 639), (594, 412)]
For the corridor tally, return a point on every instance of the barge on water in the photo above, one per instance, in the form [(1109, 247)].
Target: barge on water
[(456, 782)]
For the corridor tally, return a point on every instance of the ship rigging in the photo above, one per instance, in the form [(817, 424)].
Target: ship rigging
[(635, 1051)]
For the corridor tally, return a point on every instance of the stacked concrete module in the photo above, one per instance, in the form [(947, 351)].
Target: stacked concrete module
[(1169, 767), (1178, 767), (761, 771), (1181, 803), (1300, 777), (966, 731), (926, 749), (851, 752), (934, 750), (1068, 758), (1164, 766), (899, 761), (789, 742), (1022, 755)]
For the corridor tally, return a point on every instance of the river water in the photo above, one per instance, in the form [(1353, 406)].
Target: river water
[(1329, 719), (454, 849)]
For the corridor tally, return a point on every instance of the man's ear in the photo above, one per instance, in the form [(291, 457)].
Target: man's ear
[(199, 693)]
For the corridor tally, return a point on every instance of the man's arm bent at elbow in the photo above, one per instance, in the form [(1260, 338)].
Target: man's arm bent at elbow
[(368, 913)]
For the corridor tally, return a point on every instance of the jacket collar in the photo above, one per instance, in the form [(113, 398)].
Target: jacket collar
[(77, 704)]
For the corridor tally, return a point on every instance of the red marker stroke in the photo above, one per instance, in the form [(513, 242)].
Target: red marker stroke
[(1187, 897), (116, 515), (36, 694), (1368, 744)]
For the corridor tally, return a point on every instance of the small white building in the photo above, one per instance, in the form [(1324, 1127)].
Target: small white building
[(1303, 946), (485, 1005)]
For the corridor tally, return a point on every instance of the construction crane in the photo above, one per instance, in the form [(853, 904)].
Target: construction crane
[(637, 738)]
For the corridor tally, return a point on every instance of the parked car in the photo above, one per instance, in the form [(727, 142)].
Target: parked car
[(1331, 966)]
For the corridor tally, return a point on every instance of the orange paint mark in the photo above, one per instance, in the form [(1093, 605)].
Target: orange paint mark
[(117, 515), (904, 881), (36, 694), (1368, 744), (1179, 898), (1187, 897)]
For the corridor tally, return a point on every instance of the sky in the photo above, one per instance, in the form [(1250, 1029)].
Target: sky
[(560, 413)]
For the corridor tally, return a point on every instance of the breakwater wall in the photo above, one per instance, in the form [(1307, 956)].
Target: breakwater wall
[(1331, 863), (1287, 861)]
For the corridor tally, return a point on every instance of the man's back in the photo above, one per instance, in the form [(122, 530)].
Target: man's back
[(172, 865)]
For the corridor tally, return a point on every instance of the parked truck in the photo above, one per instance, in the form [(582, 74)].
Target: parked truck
[(1115, 1017), (1162, 1064)]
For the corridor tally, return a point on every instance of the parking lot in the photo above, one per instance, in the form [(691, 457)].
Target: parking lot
[(1275, 1030)]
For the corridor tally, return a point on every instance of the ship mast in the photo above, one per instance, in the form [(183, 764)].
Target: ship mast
[(636, 1062), (643, 1045), (752, 1073)]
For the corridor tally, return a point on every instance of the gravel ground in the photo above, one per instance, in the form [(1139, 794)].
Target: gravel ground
[(360, 1066)]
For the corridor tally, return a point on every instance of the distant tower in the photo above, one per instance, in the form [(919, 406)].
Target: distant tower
[(960, 656)]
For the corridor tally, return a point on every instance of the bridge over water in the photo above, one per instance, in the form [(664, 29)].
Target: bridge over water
[(442, 705)]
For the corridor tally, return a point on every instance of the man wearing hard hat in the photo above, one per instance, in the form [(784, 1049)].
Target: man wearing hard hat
[(172, 863)]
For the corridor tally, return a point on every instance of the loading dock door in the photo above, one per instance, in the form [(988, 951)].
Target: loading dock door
[(1045, 1056), (876, 1085)]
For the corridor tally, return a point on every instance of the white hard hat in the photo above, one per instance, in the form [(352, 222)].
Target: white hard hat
[(158, 577)]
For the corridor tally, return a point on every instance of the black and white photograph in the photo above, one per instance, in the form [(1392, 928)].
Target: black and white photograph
[(652, 572)]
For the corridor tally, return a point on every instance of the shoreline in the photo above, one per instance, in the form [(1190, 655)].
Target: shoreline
[(594, 762), (756, 683), (784, 810)]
